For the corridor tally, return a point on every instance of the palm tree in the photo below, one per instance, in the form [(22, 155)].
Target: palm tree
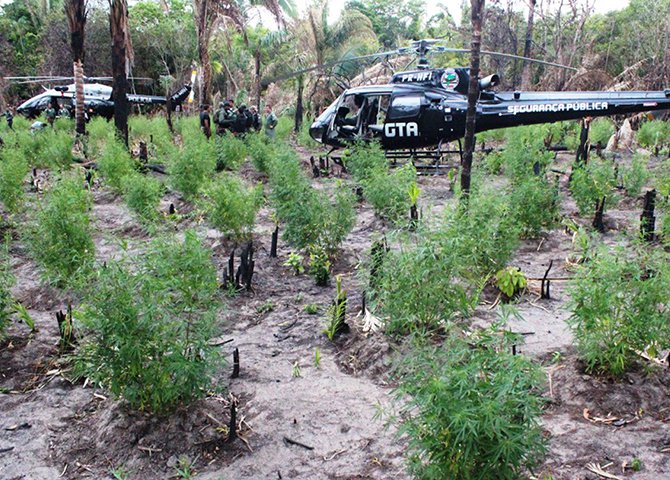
[(121, 58), (76, 11), (209, 14), (477, 14)]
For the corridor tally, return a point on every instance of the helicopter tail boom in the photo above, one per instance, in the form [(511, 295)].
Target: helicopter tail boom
[(513, 109)]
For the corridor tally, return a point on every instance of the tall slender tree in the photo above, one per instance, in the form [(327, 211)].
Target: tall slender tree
[(121, 54), (527, 47), (77, 12), (477, 16)]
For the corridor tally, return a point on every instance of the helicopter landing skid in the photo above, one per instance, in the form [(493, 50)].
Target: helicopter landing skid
[(434, 161)]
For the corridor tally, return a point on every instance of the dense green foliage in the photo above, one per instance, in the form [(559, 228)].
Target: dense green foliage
[(142, 195), (473, 409), (310, 216), (115, 164), (231, 152), (192, 166), (634, 177), (631, 315), (436, 279), (149, 325), (590, 183), (13, 171), (231, 206), (7, 280), (61, 238), (654, 134)]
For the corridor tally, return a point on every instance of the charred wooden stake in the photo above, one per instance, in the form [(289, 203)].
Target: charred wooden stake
[(89, 177), (513, 349), (583, 150), (377, 253), (413, 216), (598, 218), (536, 168), (363, 302), (544, 288), (232, 426), (144, 155), (171, 209), (236, 363), (647, 219), (315, 169), (66, 329), (273, 245), (245, 271), (228, 275)]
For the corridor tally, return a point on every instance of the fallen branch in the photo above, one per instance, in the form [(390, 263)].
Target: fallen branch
[(598, 470), (299, 444)]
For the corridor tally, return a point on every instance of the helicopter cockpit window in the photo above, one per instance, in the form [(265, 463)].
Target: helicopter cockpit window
[(405, 106)]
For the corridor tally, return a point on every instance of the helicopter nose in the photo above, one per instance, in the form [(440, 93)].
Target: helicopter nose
[(316, 131)]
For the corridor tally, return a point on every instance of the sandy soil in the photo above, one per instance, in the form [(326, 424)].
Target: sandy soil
[(51, 428)]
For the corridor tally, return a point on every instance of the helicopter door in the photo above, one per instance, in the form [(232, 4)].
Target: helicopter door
[(374, 114)]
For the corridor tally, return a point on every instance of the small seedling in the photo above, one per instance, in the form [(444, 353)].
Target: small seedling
[(556, 357), (295, 262), (184, 467), (510, 281), (337, 312), (266, 307), (296, 370), (317, 357), (311, 308), (319, 265), (120, 473), (636, 464)]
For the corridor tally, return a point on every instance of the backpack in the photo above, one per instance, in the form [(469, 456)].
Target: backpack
[(249, 119), (221, 116)]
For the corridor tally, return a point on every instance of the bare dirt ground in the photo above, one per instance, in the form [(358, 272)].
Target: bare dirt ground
[(51, 428)]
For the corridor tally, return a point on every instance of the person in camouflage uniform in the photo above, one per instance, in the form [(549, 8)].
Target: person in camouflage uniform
[(270, 122)]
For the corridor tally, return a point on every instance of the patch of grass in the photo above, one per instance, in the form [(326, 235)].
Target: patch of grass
[(535, 204), (319, 265), (231, 152), (654, 135), (192, 166), (336, 314), (13, 171), (634, 177), (311, 308), (592, 182), (115, 164), (295, 261)]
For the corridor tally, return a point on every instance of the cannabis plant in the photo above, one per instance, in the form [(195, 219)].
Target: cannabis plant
[(232, 206)]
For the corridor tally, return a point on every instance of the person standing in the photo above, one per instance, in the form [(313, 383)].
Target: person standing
[(255, 119), (10, 119), (205, 122), (270, 122), (220, 118), (51, 115)]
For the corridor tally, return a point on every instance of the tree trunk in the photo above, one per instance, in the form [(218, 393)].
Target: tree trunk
[(258, 78), (118, 26), (477, 7), (527, 48), (203, 52), (298, 105), (76, 13)]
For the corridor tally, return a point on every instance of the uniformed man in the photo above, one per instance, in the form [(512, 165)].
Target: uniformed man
[(205, 123), (219, 118), (270, 122), (63, 112), (229, 117), (255, 119), (51, 115)]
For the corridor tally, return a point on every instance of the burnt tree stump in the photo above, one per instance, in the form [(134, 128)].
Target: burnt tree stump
[(236, 363), (598, 223), (245, 271), (647, 219), (273, 245)]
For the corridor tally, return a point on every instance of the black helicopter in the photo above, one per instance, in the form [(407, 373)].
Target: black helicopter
[(426, 108), (97, 99)]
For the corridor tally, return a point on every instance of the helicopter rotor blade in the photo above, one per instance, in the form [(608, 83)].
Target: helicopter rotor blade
[(441, 49)]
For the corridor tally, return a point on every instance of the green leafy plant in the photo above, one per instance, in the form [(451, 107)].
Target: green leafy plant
[(535, 205), (634, 177), (192, 166), (590, 183), (295, 261), (319, 265), (510, 281), (232, 206), (260, 150), (636, 464), (265, 307), (296, 372), (7, 280), (142, 195), (13, 171), (472, 409), (336, 314), (115, 164), (600, 131), (149, 322), (184, 467), (654, 135), (230, 152), (61, 239), (317, 357), (631, 315), (311, 308), (120, 473)]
